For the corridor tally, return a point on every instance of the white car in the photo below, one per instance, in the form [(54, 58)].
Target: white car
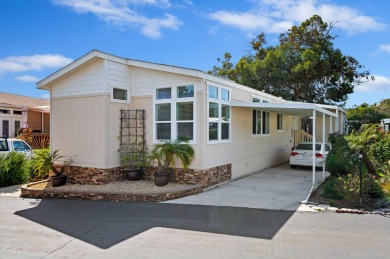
[(302, 154), (12, 144)]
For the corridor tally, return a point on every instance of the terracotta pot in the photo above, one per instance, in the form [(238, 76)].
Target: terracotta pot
[(161, 178), (58, 180)]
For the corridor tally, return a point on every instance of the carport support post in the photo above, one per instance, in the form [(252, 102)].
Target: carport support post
[(314, 148), (323, 144)]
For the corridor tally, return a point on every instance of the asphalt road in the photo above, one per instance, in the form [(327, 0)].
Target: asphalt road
[(85, 229)]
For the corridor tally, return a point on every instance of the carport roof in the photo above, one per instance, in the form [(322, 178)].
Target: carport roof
[(290, 108)]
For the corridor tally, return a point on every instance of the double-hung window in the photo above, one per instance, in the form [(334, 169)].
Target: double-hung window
[(174, 113), (218, 114), (260, 120)]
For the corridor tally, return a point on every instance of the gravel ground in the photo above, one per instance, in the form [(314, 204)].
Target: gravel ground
[(137, 187)]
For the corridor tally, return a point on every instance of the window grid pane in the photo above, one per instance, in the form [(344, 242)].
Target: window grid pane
[(213, 92), (213, 110), (185, 130), (163, 93), (213, 131), (225, 112), (280, 122), (225, 134), (224, 95), (185, 111), (185, 91), (163, 112), (265, 122), (163, 131)]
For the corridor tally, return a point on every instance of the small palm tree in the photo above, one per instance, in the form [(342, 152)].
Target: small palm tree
[(167, 151), (46, 163), (361, 140)]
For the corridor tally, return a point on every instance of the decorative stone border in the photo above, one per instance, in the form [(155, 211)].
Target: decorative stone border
[(28, 192), (204, 177)]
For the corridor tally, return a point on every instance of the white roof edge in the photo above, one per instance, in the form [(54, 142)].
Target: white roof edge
[(42, 84), (333, 107), (78, 62), (285, 105)]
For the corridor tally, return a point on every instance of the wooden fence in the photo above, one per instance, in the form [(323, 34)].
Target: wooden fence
[(36, 140)]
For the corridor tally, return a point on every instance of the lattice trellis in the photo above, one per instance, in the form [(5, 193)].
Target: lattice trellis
[(132, 138)]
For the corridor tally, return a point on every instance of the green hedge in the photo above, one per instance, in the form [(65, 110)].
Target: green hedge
[(14, 169)]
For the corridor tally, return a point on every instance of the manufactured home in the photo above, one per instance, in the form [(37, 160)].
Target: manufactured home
[(18, 111), (234, 129)]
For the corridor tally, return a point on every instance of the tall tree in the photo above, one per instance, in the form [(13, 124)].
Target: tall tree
[(304, 67)]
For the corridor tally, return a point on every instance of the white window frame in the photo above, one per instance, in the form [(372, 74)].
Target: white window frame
[(261, 134), (219, 120), (120, 100), (281, 122), (173, 102)]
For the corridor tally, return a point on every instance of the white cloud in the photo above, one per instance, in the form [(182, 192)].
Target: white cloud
[(118, 12), (27, 78), (380, 85), (275, 16), (385, 48), (32, 63)]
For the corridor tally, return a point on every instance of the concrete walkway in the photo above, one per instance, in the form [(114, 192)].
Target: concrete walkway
[(277, 188)]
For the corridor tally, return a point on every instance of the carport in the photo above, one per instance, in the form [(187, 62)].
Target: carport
[(297, 109)]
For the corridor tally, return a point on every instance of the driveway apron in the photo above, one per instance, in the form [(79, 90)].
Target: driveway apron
[(277, 188)]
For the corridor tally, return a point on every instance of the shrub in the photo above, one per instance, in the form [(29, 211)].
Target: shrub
[(347, 189), (38, 168), (14, 169), (333, 188), (341, 160)]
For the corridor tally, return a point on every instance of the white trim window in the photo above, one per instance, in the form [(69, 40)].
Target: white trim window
[(174, 113), (260, 120), (219, 115), (120, 95), (279, 120)]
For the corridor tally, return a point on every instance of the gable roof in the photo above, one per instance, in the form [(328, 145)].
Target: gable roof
[(95, 55), (19, 101)]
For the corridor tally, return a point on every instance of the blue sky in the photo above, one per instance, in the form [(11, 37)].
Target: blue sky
[(39, 37)]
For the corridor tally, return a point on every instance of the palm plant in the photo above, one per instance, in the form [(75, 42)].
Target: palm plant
[(166, 152), (361, 140), (45, 163)]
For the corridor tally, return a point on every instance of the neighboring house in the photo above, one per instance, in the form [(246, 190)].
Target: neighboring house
[(234, 129), (17, 111)]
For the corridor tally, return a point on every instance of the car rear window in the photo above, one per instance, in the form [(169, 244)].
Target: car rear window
[(308, 147), (3, 145)]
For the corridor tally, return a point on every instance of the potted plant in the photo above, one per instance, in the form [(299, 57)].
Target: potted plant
[(165, 154), (46, 164), (133, 161)]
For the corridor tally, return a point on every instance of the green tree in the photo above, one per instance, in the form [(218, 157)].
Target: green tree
[(364, 114), (304, 67)]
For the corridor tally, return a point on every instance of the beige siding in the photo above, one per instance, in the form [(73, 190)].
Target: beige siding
[(77, 129), (249, 153), (146, 80), (88, 80), (119, 75)]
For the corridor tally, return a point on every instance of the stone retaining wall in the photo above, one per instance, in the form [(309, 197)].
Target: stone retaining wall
[(28, 192), (90, 175), (206, 178)]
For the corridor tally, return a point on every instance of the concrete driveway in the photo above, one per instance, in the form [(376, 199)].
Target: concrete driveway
[(277, 188)]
